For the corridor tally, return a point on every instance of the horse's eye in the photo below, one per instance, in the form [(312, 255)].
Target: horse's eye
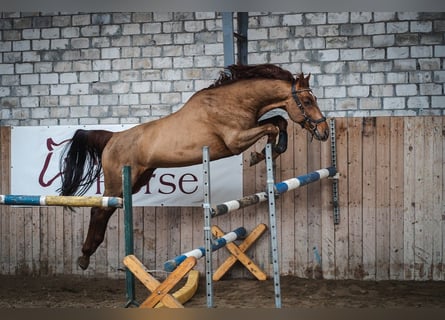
[(307, 102)]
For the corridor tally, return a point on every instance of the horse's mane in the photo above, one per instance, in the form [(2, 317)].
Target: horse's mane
[(261, 71)]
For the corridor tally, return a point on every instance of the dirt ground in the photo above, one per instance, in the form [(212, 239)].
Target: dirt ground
[(80, 292)]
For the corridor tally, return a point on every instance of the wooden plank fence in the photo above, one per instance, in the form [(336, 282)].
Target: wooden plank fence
[(392, 212)]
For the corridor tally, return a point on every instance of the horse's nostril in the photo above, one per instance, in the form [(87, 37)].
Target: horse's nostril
[(326, 136)]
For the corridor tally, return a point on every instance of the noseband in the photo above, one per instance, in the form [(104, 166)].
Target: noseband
[(311, 121)]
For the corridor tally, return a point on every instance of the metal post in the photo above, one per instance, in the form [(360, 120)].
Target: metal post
[(335, 179), (241, 37), (128, 222), (273, 224), (207, 230), (229, 52)]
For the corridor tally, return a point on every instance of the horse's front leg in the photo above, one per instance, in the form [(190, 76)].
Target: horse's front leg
[(239, 141), (96, 233), (278, 147)]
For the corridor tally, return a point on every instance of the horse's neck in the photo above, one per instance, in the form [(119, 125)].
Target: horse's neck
[(264, 89), (252, 97), (269, 95)]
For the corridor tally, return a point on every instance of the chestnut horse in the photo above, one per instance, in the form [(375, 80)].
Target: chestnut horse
[(223, 117)]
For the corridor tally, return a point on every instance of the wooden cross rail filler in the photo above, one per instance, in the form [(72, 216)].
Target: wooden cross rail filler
[(238, 253), (159, 291)]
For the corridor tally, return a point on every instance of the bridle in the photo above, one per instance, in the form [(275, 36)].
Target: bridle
[(313, 123)]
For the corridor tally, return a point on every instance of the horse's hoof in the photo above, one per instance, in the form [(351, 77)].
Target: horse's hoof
[(255, 158), (83, 262)]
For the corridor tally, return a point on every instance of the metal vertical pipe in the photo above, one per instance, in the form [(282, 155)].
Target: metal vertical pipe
[(243, 23), (207, 230), (273, 224), (229, 52), (336, 217), (128, 223)]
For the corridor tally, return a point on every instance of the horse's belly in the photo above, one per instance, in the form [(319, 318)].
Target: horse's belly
[(153, 147), (187, 155)]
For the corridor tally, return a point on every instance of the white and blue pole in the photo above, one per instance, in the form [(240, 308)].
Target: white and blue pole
[(198, 253), (280, 187)]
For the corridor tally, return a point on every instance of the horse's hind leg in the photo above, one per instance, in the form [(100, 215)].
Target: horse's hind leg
[(100, 216), (96, 233), (279, 147)]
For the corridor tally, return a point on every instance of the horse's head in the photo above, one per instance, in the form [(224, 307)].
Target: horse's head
[(305, 111)]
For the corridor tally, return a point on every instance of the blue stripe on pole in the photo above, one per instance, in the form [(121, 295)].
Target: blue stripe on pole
[(172, 264), (308, 178), (282, 187), (114, 202), (21, 200), (217, 244), (240, 232), (332, 171)]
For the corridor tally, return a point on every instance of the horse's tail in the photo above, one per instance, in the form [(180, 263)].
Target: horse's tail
[(80, 162)]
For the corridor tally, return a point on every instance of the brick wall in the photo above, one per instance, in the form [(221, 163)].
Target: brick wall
[(64, 68)]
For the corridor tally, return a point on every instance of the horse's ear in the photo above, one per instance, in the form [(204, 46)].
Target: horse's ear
[(300, 78), (307, 78)]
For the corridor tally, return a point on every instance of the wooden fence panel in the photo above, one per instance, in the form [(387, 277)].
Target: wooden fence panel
[(432, 200), (314, 213), (392, 212), (341, 230), (408, 200), (300, 200), (260, 213), (440, 274), (355, 235), (149, 250), (382, 198), (327, 218), (438, 224), (287, 246), (426, 225), (396, 198), (368, 197)]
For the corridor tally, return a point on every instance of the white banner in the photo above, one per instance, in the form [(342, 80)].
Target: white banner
[(35, 157)]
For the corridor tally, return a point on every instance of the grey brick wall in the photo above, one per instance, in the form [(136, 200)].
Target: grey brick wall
[(64, 68)]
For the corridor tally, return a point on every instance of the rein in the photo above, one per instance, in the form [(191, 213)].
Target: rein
[(300, 106)]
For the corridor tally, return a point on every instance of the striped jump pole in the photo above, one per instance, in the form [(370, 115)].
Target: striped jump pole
[(280, 187), (68, 201), (198, 253), (91, 201)]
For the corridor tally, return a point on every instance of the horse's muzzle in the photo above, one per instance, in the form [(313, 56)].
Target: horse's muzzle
[(321, 135)]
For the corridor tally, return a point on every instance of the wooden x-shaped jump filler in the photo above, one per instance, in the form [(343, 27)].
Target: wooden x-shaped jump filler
[(159, 291), (237, 253)]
